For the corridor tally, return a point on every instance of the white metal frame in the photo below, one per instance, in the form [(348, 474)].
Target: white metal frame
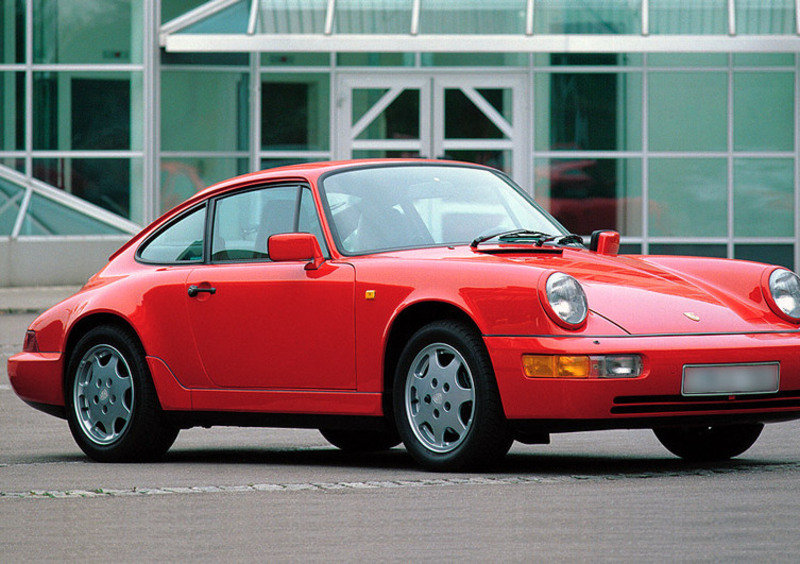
[(168, 36), (515, 130), (32, 186), (173, 40), (729, 240), (307, 43), (431, 85), (346, 137)]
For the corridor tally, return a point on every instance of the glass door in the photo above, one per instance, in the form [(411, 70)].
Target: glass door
[(384, 117), (464, 117), (479, 119)]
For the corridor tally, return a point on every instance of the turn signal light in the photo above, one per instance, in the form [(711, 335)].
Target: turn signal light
[(581, 366)]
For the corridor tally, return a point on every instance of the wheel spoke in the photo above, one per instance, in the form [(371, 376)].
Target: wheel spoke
[(439, 397), (424, 411), (103, 394), (451, 422)]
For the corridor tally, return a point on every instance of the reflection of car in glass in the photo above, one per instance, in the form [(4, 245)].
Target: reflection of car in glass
[(426, 302), (178, 182), (581, 194)]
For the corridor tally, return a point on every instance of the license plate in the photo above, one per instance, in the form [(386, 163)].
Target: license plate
[(730, 379)]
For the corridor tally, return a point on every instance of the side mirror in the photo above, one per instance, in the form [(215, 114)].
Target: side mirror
[(296, 246), (605, 242)]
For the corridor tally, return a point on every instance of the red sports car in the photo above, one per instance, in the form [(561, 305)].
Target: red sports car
[(427, 302)]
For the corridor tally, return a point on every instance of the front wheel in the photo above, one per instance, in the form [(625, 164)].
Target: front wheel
[(707, 444), (446, 403), (112, 407)]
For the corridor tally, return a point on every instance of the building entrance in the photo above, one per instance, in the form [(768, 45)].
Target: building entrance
[(466, 117)]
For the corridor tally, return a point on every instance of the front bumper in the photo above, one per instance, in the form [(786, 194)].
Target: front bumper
[(653, 398)]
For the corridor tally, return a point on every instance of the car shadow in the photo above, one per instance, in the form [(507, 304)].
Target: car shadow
[(587, 465), (514, 464), (394, 459), (44, 458)]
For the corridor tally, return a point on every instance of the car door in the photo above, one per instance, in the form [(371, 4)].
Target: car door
[(260, 324)]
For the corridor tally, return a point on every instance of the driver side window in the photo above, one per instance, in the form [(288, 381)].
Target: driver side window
[(244, 221)]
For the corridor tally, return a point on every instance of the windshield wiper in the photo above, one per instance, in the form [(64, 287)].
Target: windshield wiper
[(522, 235), (571, 239), (564, 240), (512, 235)]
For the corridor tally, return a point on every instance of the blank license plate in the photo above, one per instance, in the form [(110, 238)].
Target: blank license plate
[(731, 379)]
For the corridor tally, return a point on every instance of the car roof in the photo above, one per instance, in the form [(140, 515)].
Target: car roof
[(311, 172), (303, 172)]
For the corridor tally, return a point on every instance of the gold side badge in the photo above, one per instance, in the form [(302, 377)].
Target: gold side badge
[(691, 315)]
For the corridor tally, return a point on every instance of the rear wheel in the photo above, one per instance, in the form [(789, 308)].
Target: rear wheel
[(112, 407), (361, 441), (446, 403), (709, 443)]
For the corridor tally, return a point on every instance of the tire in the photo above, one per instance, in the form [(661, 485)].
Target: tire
[(112, 406), (361, 441), (446, 403), (707, 444)]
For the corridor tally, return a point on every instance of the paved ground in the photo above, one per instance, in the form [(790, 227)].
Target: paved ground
[(254, 495)]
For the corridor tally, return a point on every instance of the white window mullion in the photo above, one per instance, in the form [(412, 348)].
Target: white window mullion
[(376, 110)]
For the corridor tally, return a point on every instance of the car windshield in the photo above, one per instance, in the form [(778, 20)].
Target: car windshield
[(396, 207)]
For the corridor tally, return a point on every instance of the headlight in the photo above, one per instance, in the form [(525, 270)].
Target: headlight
[(565, 301), (784, 294)]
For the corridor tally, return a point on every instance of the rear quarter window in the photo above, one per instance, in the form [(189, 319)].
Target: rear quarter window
[(179, 242)]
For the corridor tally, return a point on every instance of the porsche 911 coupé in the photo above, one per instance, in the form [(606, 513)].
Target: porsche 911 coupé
[(431, 303)]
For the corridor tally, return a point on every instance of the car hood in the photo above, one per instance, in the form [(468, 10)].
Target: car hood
[(640, 295), (667, 295)]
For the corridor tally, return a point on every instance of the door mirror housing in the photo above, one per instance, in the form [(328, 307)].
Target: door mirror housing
[(296, 247), (605, 242)]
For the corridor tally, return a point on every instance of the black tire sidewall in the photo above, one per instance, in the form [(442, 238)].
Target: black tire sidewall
[(487, 438), (709, 444), (144, 431)]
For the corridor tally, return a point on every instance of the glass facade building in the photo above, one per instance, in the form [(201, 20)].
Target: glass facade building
[(675, 122)]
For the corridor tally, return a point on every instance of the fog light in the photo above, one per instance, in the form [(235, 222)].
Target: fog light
[(622, 366)]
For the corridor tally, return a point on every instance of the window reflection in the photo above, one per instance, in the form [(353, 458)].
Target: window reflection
[(10, 200), (12, 111), (763, 197), (782, 255), (589, 194), (103, 182), (87, 31), (688, 17), (689, 197), (588, 111), (294, 112), (185, 176), (689, 249), (587, 16), (86, 111), (204, 111), (688, 111)]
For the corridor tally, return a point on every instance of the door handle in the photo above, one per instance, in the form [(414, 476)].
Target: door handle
[(194, 290)]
